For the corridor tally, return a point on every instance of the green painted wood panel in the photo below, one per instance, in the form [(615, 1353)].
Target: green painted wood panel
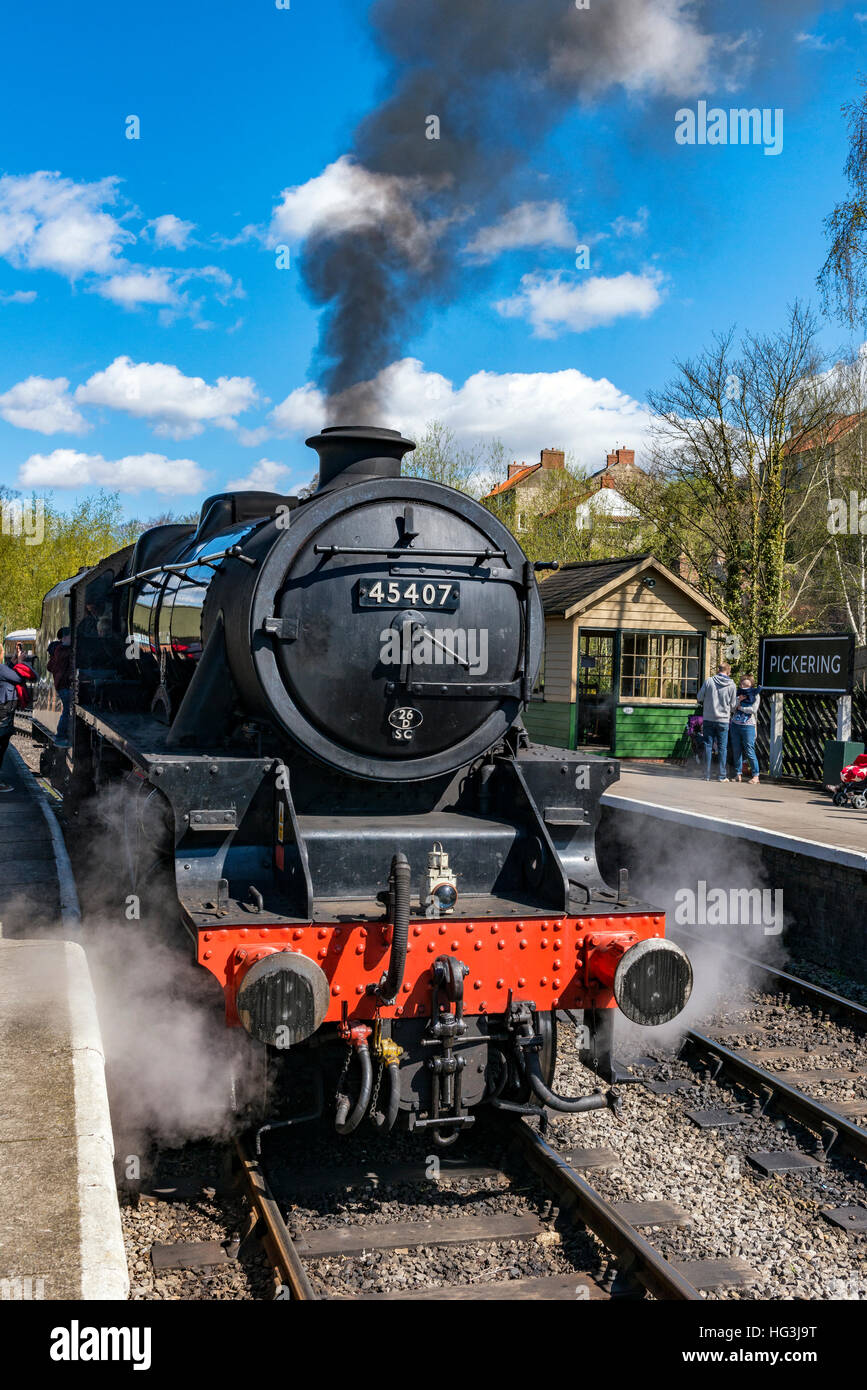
[(549, 721), (651, 731)]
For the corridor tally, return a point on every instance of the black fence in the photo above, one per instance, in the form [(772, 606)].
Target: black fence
[(809, 721)]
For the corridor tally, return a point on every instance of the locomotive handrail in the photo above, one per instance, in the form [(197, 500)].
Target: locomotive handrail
[(403, 553), (233, 553)]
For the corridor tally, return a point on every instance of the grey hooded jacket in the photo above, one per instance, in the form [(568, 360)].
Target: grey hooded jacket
[(718, 696)]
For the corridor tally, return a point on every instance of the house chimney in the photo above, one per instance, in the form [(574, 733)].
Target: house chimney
[(623, 458), (553, 458), (684, 568), (515, 468)]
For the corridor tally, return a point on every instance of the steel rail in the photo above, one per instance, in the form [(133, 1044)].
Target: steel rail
[(798, 1106), (274, 1232), (856, 1013), (637, 1255)]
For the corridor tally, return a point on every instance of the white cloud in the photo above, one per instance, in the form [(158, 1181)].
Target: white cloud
[(42, 404), (180, 405), (555, 304), (817, 42), (134, 473), (161, 285), (526, 410), (169, 230), (264, 476), (48, 222), (528, 224), (631, 226), (251, 439), (139, 286), (346, 197), (18, 297), (302, 410), (652, 49), (227, 288)]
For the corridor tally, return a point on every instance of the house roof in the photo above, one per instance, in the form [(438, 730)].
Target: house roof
[(580, 584), (579, 499), (573, 582), (518, 477), (815, 438)]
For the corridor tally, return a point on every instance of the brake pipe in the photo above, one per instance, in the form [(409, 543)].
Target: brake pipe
[(344, 1122)]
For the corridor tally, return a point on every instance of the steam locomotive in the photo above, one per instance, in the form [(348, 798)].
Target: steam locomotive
[(313, 705)]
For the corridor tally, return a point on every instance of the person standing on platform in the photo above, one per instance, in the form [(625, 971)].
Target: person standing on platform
[(60, 666), (743, 728), (718, 697), (9, 681)]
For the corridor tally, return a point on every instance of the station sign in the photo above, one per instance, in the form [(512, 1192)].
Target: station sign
[(807, 664)]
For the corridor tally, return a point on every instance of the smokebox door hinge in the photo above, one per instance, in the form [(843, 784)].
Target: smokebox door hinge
[(285, 629)]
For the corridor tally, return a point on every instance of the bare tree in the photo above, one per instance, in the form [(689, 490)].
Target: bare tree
[(439, 458), (836, 590), (727, 478), (843, 278)]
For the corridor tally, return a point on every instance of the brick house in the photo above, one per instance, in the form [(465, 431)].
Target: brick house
[(527, 488)]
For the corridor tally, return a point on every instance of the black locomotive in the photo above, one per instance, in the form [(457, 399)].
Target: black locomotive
[(315, 709)]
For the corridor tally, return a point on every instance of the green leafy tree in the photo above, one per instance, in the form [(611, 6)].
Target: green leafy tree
[(29, 567), (440, 459)]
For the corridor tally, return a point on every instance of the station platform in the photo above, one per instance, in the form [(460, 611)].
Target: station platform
[(60, 1230), (37, 889), (798, 819), (673, 831)]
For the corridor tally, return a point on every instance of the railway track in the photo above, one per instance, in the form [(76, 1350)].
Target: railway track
[(266, 1222), (836, 1125), (784, 982), (643, 1266), (323, 1230), (635, 1267)]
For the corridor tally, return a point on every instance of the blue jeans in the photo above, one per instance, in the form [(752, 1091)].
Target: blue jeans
[(713, 729), (744, 746), (7, 727), (63, 721)]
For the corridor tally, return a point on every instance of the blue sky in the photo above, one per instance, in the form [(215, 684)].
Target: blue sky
[(150, 344)]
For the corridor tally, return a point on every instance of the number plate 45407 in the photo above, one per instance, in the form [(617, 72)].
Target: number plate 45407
[(440, 595)]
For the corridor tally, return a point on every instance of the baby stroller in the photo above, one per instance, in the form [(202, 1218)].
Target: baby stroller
[(693, 730), (853, 788)]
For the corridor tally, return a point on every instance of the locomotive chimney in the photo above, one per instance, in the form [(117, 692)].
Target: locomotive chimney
[(357, 453)]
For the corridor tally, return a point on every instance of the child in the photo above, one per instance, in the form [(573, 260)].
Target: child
[(743, 728)]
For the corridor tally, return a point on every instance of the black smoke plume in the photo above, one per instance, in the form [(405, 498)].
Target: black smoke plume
[(498, 75)]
